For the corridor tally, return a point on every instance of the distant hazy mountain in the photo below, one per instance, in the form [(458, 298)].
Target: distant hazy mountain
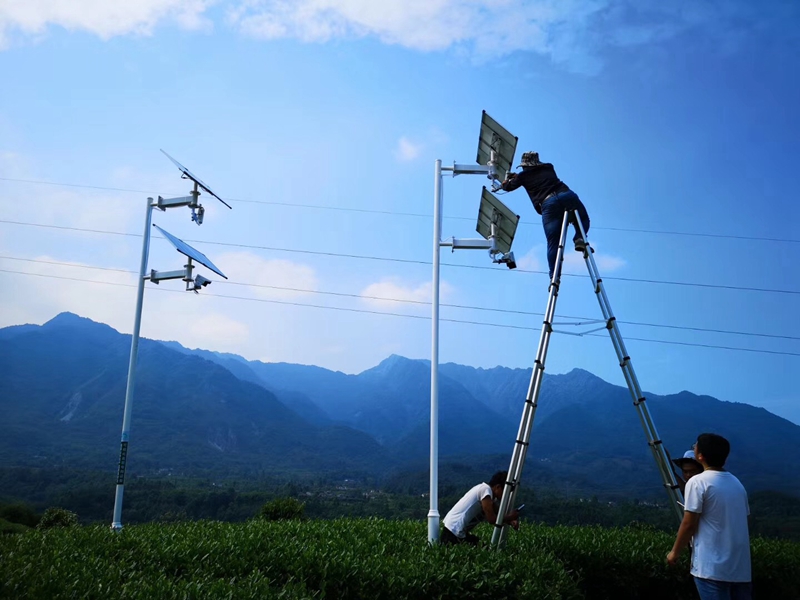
[(62, 391)]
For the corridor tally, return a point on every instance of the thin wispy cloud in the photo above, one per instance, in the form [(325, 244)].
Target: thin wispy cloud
[(575, 33), (535, 259), (407, 150), (103, 18), (572, 32), (277, 278), (387, 292)]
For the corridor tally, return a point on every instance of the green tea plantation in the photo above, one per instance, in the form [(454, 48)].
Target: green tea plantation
[(359, 558)]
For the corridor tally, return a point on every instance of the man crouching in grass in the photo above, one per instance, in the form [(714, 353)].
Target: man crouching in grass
[(478, 504)]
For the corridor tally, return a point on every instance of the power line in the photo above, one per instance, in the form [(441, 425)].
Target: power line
[(401, 315), (424, 303), (411, 261), (403, 214)]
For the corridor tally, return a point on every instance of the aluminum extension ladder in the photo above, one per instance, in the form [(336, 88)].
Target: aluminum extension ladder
[(531, 401)]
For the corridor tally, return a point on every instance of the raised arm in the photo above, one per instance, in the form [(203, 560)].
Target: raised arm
[(511, 182)]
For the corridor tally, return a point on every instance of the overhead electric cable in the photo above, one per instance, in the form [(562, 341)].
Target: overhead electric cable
[(589, 320), (411, 261), (389, 314), (401, 214)]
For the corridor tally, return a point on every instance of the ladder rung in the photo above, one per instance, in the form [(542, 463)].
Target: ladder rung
[(655, 443), (523, 443), (610, 323), (538, 363), (639, 401)]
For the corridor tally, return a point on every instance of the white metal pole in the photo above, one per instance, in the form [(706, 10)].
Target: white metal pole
[(433, 513), (116, 523)]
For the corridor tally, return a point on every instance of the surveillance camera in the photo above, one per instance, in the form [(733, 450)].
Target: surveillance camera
[(200, 282), (509, 261), (197, 215)]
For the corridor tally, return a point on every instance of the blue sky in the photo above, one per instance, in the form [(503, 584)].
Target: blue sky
[(678, 119)]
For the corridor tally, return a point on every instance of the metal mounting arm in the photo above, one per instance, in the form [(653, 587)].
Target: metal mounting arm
[(468, 244), (185, 274), (457, 169)]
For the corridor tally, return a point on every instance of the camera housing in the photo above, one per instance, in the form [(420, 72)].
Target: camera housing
[(200, 282), (508, 260)]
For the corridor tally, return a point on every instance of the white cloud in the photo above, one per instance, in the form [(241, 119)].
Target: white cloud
[(495, 27), (383, 293), (536, 260), (104, 18), (573, 32), (51, 289), (606, 263), (12, 164), (533, 260), (569, 31), (407, 150), (241, 267)]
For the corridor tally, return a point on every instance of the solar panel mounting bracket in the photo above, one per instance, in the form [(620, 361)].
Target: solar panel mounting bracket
[(191, 201)]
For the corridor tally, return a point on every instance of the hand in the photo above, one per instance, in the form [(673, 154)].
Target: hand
[(515, 524), (672, 558)]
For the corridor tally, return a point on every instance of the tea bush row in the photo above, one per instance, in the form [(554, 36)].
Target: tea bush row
[(357, 558)]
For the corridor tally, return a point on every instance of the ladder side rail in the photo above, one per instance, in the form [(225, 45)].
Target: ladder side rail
[(531, 402), (648, 425), (654, 439), (651, 433), (518, 462), (630, 378)]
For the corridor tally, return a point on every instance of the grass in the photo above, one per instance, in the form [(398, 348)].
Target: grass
[(358, 558)]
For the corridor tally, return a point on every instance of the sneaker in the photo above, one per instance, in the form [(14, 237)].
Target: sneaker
[(580, 245)]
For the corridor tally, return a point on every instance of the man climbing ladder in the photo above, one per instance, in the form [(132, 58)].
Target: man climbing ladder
[(551, 198), (556, 248)]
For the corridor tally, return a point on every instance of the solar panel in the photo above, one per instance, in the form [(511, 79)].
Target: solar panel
[(495, 137), (187, 250), (187, 173), (506, 221)]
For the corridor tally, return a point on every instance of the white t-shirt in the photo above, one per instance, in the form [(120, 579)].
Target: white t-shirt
[(468, 511), (722, 541)]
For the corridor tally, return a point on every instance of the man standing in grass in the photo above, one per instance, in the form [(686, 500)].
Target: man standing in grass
[(477, 505), (716, 515)]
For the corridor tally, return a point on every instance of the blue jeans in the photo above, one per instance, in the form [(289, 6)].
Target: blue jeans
[(722, 590), (553, 210)]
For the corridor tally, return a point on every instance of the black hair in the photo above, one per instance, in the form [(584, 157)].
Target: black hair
[(714, 448), (498, 478)]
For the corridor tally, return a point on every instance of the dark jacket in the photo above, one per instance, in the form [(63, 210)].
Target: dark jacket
[(539, 181)]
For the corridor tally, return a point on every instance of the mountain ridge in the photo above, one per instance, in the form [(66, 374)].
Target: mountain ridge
[(586, 431)]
